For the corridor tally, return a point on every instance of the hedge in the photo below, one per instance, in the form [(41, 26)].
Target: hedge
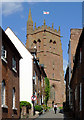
[(38, 108), (25, 103)]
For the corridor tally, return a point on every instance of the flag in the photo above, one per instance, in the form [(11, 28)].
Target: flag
[(80, 55), (44, 12)]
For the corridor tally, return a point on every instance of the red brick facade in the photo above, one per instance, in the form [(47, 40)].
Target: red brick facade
[(49, 51), (11, 79), (77, 80)]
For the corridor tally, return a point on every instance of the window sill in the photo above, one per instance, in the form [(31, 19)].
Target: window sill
[(3, 59), (14, 70), (14, 108), (4, 106)]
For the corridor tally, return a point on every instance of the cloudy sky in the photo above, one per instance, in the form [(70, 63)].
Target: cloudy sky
[(67, 15)]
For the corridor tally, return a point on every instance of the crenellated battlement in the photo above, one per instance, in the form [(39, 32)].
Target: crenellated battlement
[(47, 28)]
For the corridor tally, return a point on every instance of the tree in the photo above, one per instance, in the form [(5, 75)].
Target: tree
[(47, 90)]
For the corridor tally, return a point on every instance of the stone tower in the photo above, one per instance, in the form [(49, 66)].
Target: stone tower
[(49, 51)]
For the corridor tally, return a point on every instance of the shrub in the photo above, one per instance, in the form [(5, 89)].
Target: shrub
[(47, 90), (38, 108), (25, 103), (60, 107)]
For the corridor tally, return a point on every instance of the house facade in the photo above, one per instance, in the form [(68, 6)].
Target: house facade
[(9, 84), (26, 68), (73, 42), (77, 81)]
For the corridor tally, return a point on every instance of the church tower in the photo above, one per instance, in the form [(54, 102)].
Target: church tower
[(49, 51)]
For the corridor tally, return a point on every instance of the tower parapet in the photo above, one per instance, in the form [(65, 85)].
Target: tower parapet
[(47, 28)]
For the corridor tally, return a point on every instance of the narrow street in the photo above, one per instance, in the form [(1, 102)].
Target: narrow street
[(59, 115)]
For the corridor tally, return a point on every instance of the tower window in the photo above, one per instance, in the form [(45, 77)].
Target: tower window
[(53, 65), (53, 75), (34, 41), (54, 42), (39, 40), (50, 41)]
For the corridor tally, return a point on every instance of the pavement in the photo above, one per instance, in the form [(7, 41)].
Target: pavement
[(51, 115)]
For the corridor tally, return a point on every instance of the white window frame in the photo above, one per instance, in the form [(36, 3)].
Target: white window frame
[(13, 107), (42, 82), (3, 54), (14, 65), (3, 93)]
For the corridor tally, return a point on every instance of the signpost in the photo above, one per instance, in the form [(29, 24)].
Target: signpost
[(33, 98)]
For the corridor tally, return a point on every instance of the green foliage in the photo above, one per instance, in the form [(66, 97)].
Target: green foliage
[(60, 107), (45, 107), (47, 90), (38, 108), (25, 103)]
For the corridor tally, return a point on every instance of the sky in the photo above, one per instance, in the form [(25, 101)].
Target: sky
[(67, 15)]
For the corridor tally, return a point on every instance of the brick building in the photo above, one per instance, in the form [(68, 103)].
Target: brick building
[(9, 87), (49, 51), (73, 42), (77, 80), (38, 78)]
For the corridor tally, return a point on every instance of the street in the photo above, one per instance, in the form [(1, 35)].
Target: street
[(59, 115)]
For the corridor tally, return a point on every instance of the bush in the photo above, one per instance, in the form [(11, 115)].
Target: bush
[(38, 108), (60, 107), (25, 103)]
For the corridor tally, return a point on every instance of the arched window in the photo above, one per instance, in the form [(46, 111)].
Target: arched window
[(52, 92), (54, 42), (3, 92)]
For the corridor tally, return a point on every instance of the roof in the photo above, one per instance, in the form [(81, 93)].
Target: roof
[(17, 43), (8, 41)]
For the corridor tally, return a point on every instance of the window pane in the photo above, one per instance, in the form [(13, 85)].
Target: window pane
[(3, 93), (13, 97)]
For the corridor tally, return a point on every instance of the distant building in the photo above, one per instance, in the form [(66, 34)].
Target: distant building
[(9, 82), (49, 51), (26, 67)]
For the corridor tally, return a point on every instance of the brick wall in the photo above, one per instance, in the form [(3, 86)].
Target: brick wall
[(11, 79)]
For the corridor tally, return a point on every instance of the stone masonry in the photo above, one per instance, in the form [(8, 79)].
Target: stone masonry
[(49, 51)]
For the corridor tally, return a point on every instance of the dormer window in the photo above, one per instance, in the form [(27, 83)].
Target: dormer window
[(3, 54), (14, 64)]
